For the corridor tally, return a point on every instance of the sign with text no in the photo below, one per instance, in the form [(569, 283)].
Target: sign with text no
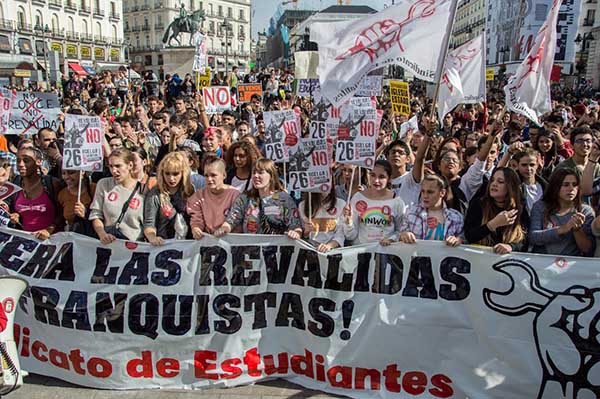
[(216, 99)]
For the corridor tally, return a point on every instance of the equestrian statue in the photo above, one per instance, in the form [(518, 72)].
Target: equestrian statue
[(186, 22)]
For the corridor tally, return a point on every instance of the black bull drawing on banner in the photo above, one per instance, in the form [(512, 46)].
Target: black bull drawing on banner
[(566, 328)]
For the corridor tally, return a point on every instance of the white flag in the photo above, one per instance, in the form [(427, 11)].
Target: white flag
[(528, 90), (410, 34), (463, 80)]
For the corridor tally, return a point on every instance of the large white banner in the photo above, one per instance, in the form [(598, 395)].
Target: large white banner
[(410, 34), (463, 79), (405, 321)]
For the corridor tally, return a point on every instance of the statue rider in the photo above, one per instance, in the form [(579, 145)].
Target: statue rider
[(183, 18)]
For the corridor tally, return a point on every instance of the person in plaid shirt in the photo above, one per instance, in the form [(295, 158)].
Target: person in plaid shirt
[(431, 219)]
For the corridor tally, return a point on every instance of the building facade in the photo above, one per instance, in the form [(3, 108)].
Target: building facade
[(146, 22), (469, 23), (59, 35)]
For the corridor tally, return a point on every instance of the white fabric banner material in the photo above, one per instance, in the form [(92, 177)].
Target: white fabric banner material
[(401, 35), (405, 321), (528, 90), (463, 79)]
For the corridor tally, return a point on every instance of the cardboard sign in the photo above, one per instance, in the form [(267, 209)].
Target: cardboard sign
[(357, 135), (216, 99), (489, 74), (83, 143), (371, 84), (203, 80), (307, 87), (412, 125), (310, 167), (7, 99), (400, 97), (282, 132), (7, 189), (247, 90), (32, 111)]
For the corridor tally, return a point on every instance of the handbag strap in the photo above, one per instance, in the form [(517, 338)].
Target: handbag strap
[(126, 205)]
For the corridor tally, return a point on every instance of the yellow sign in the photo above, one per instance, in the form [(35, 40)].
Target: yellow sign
[(86, 52), (22, 73), (400, 96), (99, 52), (489, 74), (54, 46), (203, 80), (114, 52), (72, 50)]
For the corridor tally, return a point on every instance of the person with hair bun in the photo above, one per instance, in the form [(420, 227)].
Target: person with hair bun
[(209, 206), (266, 208), (432, 219), (118, 207), (374, 215), (164, 205), (35, 208)]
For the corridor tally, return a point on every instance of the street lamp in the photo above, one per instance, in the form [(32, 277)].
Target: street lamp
[(127, 43), (43, 31), (226, 25)]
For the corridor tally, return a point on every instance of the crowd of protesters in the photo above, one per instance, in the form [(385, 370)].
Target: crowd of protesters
[(481, 176)]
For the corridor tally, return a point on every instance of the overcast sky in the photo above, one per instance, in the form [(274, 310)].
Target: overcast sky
[(263, 10)]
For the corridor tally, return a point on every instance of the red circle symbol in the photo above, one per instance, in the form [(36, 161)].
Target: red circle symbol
[(561, 263), (3, 319), (324, 187), (130, 245), (134, 203), (386, 210), (368, 162), (8, 305), (291, 140), (361, 206), (113, 196)]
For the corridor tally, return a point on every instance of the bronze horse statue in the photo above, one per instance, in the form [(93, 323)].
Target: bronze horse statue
[(189, 24)]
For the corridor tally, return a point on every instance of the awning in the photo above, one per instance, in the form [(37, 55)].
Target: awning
[(78, 69), (102, 66), (220, 61)]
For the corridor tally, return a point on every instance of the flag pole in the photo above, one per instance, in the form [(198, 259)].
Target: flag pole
[(440, 71)]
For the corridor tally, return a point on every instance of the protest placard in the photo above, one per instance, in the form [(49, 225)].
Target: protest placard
[(371, 84), (7, 189), (400, 97), (489, 74), (310, 162), (32, 111), (282, 132), (200, 53), (412, 126), (305, 64), (203, 80), (216, 99), (7, 99), (357, 135), (406, 321), (83, 143), (306, 87), (247, 90)]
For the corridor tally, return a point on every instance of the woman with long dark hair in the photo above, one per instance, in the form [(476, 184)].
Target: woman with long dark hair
[(266, 208), (324, 226), (498, 219), (239, 159), (545, 143), (560, 222)]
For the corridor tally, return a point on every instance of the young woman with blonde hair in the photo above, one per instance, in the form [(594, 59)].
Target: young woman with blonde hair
[(164, 206)]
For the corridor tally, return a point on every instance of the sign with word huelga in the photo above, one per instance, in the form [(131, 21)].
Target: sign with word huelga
[(400, 97), (405, 321), (32, 111), (83, 143), (216, 99), (282, 132), (357, 135), (247, 90), (7, 99)]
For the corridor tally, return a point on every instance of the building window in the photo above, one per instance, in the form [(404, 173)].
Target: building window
[(242, 15), (21, 19), (220, 12), (148, 60), (211, 26), (229, 12), (160, 59)]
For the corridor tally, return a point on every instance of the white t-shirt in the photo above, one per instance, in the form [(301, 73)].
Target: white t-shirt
[(374, 220), (533, 193), (327, 224), (407, 189), (240, 184)]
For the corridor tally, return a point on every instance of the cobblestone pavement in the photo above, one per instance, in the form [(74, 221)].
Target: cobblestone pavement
[(40, 387)]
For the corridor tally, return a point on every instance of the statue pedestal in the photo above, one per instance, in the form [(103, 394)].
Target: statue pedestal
[(178, 60)]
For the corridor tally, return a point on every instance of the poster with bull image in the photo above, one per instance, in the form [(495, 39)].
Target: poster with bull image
[(310, 169), (357, 136), (83, 143), (32, 111), (282, 132)]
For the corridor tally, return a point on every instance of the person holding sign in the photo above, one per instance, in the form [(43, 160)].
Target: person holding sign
[(35, 207), (375, 214), (432, 219), (266, 208), (324, 227), (164, 205), (118, 207), (73, 200), (209, 206)]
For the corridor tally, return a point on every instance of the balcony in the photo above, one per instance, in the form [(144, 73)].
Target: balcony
[(39, 2), (159, 26), (24, 27), (73, 35), (85, 10), (115, 16), (145, 7), (58, 33), (158, 4), (7, 24), (158, 47), (88, 37), (100, 39), (57, 4), (135, 7), (98, 12), (70, 6), (135, 29), (126, 29), (145, 27)]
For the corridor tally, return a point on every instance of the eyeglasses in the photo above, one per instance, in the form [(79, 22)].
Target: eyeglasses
[(583, 141), (450, 160)]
